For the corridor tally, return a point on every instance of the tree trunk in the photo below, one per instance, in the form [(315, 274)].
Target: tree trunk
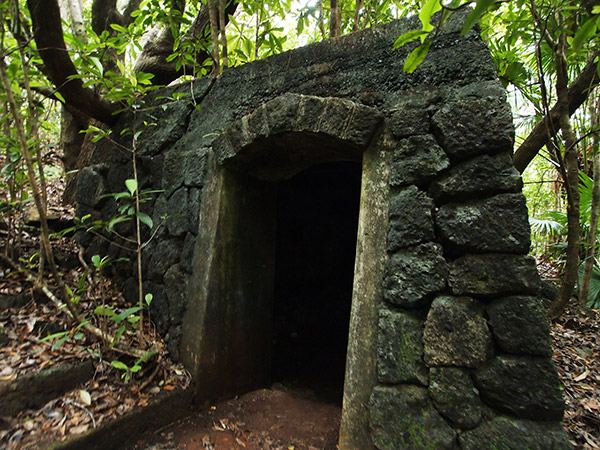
[(222, 24), (214, 33), (335, 19), (356, 22), (595, 208), (321, 18), (76, 14), (571, 176)]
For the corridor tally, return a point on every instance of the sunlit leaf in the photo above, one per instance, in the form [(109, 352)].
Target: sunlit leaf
[(131, 185), (417, 56), (430, 8), (409, 36), (481, 7), (119, 365)]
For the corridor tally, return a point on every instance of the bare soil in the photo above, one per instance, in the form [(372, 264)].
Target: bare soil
[(274, 418)]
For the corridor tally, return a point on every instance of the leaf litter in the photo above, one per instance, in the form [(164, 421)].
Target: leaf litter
[(26, 316)]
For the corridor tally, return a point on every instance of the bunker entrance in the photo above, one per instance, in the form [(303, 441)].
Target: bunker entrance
[(317, 220)]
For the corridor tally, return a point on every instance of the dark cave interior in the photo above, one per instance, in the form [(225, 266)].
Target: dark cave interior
[(317, 220)]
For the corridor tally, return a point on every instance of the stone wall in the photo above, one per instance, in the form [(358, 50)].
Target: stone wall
[(449, 343)]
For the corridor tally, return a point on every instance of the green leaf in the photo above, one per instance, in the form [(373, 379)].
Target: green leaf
[(126, 313), (480, 9), (118, 334), (148, 298), (417, 56), (117, 196), (96, 260), (145, 219), (119, 365), (430, 8), (146, 355), (409, 36), (104, 311), (60, 342), (116, 27), (54, 336), (131, 185), (98, 65), (116, 220), (584, 33)]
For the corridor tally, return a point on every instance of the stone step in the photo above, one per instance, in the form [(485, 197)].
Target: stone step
[(33, 391)]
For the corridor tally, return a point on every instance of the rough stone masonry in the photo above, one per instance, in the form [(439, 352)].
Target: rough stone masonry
[(449, 342)]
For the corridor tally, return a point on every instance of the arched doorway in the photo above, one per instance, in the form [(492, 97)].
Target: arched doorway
[(292, 147)]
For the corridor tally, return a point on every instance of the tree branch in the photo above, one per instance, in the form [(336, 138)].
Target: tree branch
[(578, 92), (153, 59), (104, 12), (47, 28)]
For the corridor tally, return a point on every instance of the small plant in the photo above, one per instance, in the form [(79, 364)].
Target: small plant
[(128, 371), (62, 336)]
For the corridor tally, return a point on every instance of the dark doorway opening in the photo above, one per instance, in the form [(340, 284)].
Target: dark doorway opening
[(317, 221)]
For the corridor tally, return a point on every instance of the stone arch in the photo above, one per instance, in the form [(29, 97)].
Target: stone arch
[(289, 133)]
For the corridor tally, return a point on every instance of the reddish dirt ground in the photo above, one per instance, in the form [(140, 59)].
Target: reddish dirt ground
[(267, 419)]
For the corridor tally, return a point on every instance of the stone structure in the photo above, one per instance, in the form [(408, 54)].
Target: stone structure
[(447, 342)]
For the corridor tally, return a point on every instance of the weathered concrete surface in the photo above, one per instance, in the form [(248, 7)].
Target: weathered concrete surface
[(361, 357), (32, 391)]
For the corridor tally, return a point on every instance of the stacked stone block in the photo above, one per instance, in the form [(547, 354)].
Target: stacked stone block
[(463, 354)]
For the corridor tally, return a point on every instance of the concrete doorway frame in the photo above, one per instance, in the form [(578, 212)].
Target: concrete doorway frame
[(225, 343)]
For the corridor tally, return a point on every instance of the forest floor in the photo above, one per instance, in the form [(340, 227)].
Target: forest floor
[(276, 418)]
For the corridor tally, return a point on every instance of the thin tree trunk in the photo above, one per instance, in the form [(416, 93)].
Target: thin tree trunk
[(571, 176), (222, 24), (595, 209), (356, 23), (214, 32), (37, 196), (44, 231), (76, 14), (321, 19), (257, 31), (36, 138), (334, 19)]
